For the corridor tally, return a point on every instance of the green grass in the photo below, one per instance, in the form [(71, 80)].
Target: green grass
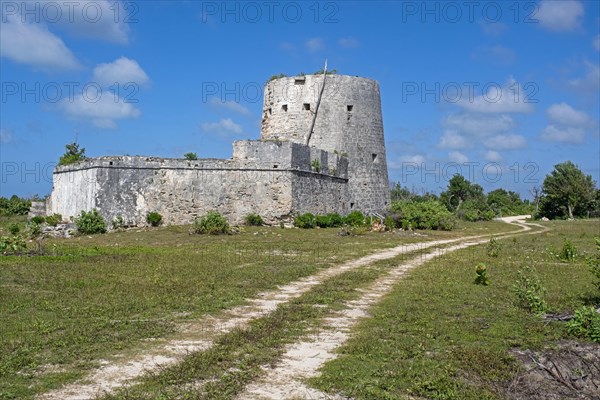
[(90, 297), (440, 336)]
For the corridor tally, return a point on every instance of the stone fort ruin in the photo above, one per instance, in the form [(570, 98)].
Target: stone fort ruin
[(321, 150)]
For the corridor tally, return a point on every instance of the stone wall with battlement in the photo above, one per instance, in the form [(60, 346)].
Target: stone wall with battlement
[(275, 179)]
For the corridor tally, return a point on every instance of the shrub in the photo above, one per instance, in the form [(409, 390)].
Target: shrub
[(12, 244), (585, 323), (253, 220), (14, 229), (331, 220), (389, 222), (154, 218), (90, 222), (428, 214), (14, 206), (482, 278), (594, 263), (212, 223), (305, 221), (493, 247), (54, 219), (190, 156), (33, 229), (72, 155), (530, 292), (355, 218), (118, 222), (38, 219), (316, 165), (568, 252)]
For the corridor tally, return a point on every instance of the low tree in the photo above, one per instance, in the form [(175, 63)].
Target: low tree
[(567, 192), (191, 156), (73, 154), (459, 190)]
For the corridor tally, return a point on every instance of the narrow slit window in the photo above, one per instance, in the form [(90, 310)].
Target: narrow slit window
[(307, 106), (349, 108), (110, 163), (351, 205), (269, 111), (284, 107), (275, 166), (374, 157)]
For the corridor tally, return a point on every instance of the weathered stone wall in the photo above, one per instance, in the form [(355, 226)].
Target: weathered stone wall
[(262, 177), (349, 121)]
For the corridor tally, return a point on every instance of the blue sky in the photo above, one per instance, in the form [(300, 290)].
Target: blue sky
[(500, 91)]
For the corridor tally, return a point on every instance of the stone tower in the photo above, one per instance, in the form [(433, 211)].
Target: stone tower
[(348, 122)]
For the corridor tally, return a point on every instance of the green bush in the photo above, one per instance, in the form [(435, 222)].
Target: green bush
[(14, 229), (253, 219), (90, 222), (190, 156), (154, 218), (316, 165), (428, 214), (585, 323), (482, 278), (530, 292), (493, 247), (33, 229), (118, 222), (54, 219), (14, 206), (389, 222), (331, 220), (568, 252), (72, 154), (305, 221), (594, 263), (12, 244), (212, 223), (355, 218), (38, 219)]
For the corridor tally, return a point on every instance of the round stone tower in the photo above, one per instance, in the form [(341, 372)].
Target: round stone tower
[(348, 121)]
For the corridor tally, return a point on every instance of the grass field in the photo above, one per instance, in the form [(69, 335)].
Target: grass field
[(440, 336), (437, 335), (85, 298)]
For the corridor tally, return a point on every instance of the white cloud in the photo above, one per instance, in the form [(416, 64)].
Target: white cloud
[(564, 114), (493, 28), (315, 44), (478, 124), (34, 45), (5, 136), (505, 142), (559, 15), (563, 134), (105, 20), (567, 125), (596, 43), (413, 159), (510, 98), (453, 140), (348, 42), (458, 157), (493, 156), (102, 113), (122, 71), (231, 106), (224, 127), (590, 82)]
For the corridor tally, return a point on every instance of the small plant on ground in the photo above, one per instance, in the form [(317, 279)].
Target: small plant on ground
[(253, 220), (33, 229), (154, 218), (90, 222), (212, 223), (118, 222), (568, 252), (331, 220), (14, 229), (585, 323), (493, 247), (305, 221), (482, 278), (530, 292), (355, 218), (54, 219), (316, 165), (191, 156), (389, 223), (12, 244), (38, 219)]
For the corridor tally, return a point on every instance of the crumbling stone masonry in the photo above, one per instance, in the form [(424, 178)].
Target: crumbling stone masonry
[(343, 168)]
